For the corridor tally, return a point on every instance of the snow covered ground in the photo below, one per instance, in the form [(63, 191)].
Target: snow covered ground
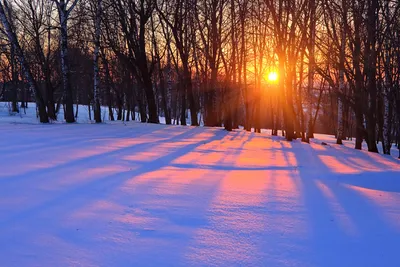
[(29, 115), (153, 195)]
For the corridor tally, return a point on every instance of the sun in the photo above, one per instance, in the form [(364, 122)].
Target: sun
[(273, 76)]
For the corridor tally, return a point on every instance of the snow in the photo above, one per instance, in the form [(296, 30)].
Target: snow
[(28, 115), (135, 194)]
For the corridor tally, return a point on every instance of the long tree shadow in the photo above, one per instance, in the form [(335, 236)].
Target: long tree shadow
[(144, 187), (73, 195), (168, 207), (33, 138), (335, 212), (98, 155), (361, 168)]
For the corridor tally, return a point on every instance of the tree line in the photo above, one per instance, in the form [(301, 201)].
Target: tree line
[(207, 62)]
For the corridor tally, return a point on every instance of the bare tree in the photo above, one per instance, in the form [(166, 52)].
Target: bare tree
[(177, 15), (25, 65), (134, 16), (64, 8), (96, 79)]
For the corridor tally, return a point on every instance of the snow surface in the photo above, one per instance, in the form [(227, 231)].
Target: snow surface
[(153, 195), (29, 115)]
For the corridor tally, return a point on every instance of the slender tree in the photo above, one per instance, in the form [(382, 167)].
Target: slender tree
[(64, 8), (96, 56), (12, 37)]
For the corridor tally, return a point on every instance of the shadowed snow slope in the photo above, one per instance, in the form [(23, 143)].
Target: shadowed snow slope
[(153, 195)]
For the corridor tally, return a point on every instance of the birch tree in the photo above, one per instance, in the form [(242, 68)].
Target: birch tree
[(342, 58), (96, 79), (64, 8), (311, 68)]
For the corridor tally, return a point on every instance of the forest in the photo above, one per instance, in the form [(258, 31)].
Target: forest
[(300, 66)]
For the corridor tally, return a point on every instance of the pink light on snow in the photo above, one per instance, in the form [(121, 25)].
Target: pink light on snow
[(336, 166), (267, 200), (386, 163), (365, 165)]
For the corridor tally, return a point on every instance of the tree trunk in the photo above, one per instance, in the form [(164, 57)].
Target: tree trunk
[(371, 74), (340, 128), (387, 120), (15, 81), (68, 101), (183, 106), (96, 78), (108, 85), (311, 70)]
